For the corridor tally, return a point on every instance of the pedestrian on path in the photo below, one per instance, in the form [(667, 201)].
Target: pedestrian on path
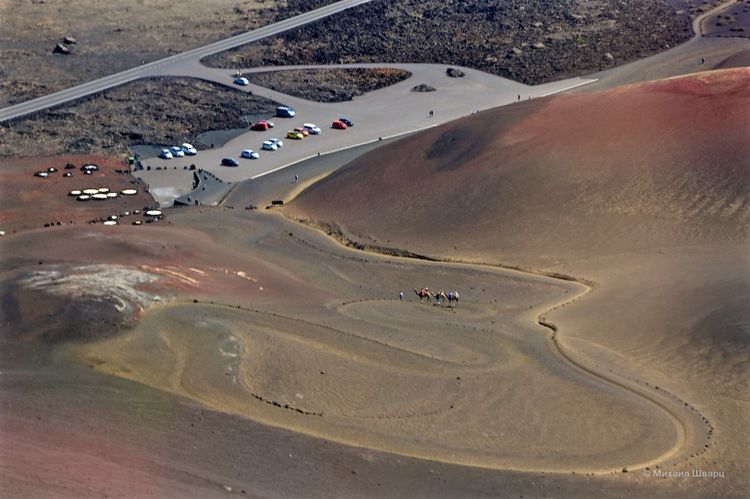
[(296, 179), (401, 295)]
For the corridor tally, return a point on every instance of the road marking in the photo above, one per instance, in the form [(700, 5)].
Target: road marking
[(333, 151), (580, 84)]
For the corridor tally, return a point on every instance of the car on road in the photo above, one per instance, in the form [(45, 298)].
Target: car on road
[(294, 134), (301, 130), (229, 162), (177, 152), (189, 149), (261, 126), (346, 121), (269, 146), (338, 125), (276, 141), (241, 81), (41, 174), (249, 154), (312, 128), (165, 154), (285, 112)]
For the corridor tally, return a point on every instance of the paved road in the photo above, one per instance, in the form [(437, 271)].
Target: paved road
[(383, 113), (157, 67)]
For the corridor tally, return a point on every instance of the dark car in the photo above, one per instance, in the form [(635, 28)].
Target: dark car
[(229, 162), (346, 121), (285, 112)]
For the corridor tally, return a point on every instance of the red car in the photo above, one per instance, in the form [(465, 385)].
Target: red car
[(339, 125), (301, 130), (260, 126)]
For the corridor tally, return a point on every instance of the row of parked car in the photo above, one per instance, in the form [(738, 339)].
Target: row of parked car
[(178, 151)]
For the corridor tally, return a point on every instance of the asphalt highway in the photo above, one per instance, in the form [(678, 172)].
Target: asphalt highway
[(159, 66)]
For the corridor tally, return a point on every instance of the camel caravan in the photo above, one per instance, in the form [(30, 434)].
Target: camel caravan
[(450, 298)]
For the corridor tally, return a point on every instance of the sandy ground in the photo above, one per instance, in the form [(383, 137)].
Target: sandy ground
[(306, 336), (666, 249), (233, 351)]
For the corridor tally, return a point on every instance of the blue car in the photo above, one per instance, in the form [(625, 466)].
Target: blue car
[(285, 112), (346, 121)]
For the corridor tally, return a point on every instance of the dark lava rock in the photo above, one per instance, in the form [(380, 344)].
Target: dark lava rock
[(61, 48), (454, 73), (423, 87)]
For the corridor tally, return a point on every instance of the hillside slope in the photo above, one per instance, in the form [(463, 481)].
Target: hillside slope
[(649, 165)]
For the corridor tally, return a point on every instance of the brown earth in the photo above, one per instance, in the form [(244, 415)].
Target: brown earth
[(667, 151), (328, 85), (123, 35), (572, 37), (30, 202), (160, 111), (642, 191), (244, 352)]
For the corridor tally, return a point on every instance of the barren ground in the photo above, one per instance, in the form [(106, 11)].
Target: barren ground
[(576, 37), (124, 35), (328, 85), (160, 111)]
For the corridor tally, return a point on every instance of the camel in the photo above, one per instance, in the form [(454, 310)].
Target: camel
[(453, 297), (440, 295), (423, 293)]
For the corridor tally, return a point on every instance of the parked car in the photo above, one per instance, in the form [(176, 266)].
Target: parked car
[(339, 125), (41, 174), (241, 81), (260, 126), (177, 152), (270, 124), (276, 141), (294, 134), (346, 121), (51, 169), (269, 146), (229, 162), (312, 128), (249, 154), (189, 149), (166, 154), (301, 130), (285, 112)]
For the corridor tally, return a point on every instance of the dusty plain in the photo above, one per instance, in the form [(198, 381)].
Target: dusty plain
[(599, 242)]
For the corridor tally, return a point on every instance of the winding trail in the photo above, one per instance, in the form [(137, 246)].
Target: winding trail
[(694, 430)]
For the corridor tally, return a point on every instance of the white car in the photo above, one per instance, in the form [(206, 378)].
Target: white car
[(176, 152), (276, 141), (269, 146), (241, 81), (189, 149), (312, 128), (166, 154), (249, 154)]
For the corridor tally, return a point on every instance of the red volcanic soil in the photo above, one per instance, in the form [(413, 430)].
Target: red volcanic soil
[(648, 165), (29, 202)]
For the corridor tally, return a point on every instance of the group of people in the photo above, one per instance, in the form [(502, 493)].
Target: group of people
[(450, 297)]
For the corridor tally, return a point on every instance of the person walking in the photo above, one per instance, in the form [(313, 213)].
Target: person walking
[(401, 295), (296, 179)]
